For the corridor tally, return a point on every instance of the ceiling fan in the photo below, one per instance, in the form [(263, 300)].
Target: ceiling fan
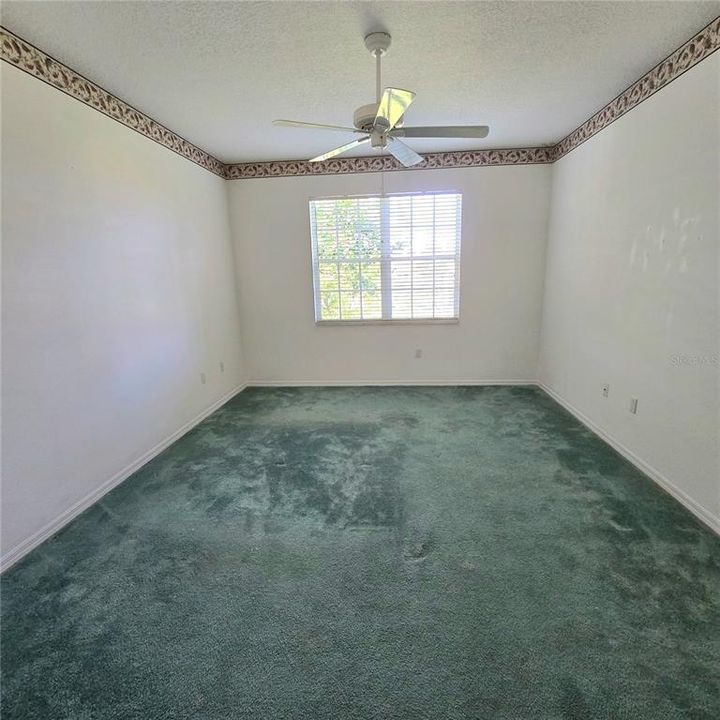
[(381, 123)]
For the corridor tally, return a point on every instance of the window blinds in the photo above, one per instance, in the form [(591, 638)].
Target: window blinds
[(392, 257)]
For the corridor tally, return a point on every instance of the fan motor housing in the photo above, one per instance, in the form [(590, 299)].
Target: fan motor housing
[(364, 117)]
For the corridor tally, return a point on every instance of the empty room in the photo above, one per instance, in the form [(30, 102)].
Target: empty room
[(360, 360)]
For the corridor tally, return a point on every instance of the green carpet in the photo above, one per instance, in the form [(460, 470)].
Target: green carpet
[(372, 553)]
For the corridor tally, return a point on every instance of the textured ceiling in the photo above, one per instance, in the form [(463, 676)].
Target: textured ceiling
[(218, 73)]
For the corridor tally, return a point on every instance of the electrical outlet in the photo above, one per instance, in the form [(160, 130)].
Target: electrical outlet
[(203, 379), (605, 390), (222, 367), (418, 354), (633, 405)]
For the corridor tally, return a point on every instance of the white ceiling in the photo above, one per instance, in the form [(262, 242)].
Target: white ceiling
[(218, 73)]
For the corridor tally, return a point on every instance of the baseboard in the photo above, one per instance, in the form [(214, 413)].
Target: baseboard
[(384, 383), (18, 551), (701, 513), (21, 549)]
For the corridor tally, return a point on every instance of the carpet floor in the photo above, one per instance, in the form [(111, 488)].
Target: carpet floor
[(365, 553)]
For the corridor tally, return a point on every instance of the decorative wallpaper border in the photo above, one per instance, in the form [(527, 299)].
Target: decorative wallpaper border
[(385, 163), (700, 46), (30, 59), (27, 57)]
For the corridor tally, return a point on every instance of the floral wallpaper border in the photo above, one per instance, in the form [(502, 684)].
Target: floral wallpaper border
[(384, 163), (700, 46), (33, 61), (30, 59)]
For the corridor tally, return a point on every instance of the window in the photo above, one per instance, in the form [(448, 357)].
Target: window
[(391, 257)]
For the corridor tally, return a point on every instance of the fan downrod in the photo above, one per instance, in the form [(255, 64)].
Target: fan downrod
[(377, 44)]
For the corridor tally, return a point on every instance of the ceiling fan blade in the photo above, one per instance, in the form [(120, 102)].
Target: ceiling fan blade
[(404, 154), (393, 104), (443, 131), (340, 150), (313, 126)]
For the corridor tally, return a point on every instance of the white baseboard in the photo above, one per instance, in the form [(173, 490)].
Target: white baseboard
[(22, 548), (701, 513), (384, 383)]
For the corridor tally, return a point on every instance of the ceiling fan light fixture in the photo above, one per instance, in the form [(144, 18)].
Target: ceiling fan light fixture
[(382, 122)]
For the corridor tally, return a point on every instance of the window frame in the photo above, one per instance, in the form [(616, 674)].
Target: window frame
[(385, 264)]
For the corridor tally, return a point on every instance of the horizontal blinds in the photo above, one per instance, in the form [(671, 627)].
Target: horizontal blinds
[(386, 257)]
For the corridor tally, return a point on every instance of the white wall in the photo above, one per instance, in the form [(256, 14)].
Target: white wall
[(505, 213), (118, 291), (632, 288)]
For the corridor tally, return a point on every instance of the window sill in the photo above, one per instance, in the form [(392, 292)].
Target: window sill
[(409, 321)]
